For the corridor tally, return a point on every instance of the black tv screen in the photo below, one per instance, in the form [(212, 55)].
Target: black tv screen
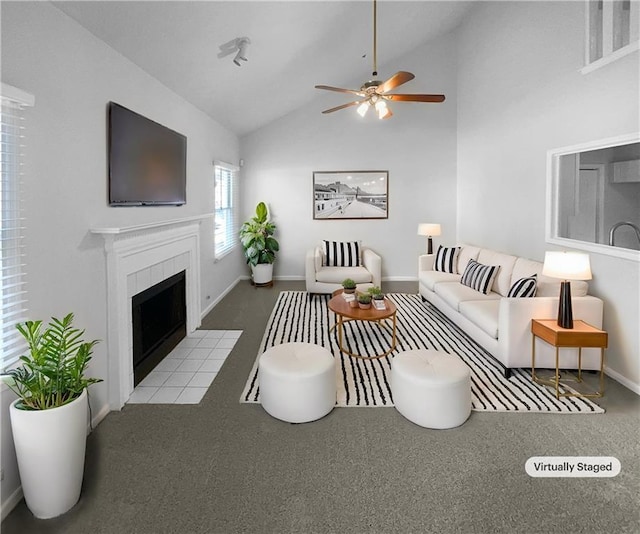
[(147, 161)]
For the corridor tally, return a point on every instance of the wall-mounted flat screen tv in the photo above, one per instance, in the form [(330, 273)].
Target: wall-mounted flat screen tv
[(147, 161)]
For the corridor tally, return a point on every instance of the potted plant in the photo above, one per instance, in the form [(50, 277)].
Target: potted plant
[(376, 293), (348, 285), (259, 245), (364, 301), (49, 418)]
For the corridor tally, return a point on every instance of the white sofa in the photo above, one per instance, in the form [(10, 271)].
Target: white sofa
[(502, 325), (321, 278)]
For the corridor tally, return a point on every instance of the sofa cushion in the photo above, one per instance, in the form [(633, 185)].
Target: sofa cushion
[(453, 293), (523, 288), (335, 275), (523, 268), (546, 286), (446, 259), (466, 253), (478, 276), (341, 253), (550, 287), (318, 259), (502, 282), (483, 313), (430, 278)]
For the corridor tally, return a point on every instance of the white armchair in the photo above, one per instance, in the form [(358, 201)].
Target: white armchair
[(321, 278)]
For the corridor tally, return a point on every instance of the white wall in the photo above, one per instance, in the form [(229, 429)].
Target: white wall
[(73, 76), (416, 146), (521, 94)]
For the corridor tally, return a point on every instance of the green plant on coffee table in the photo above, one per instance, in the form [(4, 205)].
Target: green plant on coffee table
[(364, 298), (256, 237), (52, 374), (349, 285), (376, 293)]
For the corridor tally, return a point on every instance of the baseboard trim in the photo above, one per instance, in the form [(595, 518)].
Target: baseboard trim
[(97, 419), (622, 380), (210, 307), (11, 502), (289, 277)]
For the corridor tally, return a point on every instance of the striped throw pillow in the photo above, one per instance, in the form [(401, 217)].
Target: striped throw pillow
[(525, 287), (446, 259), (479, 277), (341, 254)]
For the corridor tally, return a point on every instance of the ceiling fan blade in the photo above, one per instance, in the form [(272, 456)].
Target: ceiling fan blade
[(388, 115), (397, 79), (416, 98), (339, 90), (343, 106)]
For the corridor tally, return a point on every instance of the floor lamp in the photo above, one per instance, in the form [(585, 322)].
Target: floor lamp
[(429, 230), (566, 266)]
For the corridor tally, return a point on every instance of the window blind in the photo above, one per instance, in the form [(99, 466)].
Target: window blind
[(226, 207), (13, 292)]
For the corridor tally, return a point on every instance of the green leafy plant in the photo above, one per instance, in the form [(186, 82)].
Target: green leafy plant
[(256, 237), (347, 283), (52, 374), (376, 293), (364, 298)]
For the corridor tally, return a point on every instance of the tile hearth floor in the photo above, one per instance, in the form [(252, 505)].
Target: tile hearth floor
[(186, 373)]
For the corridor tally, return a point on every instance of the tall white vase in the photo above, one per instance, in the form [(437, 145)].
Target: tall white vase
[(262, 273), (50, 446)]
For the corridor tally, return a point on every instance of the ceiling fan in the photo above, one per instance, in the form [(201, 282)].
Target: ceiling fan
[(375, 93)]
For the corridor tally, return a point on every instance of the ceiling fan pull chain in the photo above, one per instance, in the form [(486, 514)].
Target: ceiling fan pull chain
[(375, 38)]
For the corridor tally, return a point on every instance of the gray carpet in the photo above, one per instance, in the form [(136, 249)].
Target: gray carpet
[(227, 467)]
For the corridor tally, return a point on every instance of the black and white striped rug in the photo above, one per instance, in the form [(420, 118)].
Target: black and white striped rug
[(296, 317)]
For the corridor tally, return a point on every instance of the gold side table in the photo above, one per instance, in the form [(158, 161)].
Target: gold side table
[(582, 335)]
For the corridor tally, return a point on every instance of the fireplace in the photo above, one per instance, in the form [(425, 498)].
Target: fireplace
[(159, 323), (137, 258)]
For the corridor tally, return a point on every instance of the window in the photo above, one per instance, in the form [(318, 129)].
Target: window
[(226, 194), (12, 254), (612, 31), (593, 197)]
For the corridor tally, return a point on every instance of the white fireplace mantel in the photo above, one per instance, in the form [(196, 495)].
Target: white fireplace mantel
[(137, 258)]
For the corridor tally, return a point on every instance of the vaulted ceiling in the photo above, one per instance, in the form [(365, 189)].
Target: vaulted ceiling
[(294, 45)]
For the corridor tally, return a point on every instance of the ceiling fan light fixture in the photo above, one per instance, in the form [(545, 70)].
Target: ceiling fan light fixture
[(382, 109), (363, 108)]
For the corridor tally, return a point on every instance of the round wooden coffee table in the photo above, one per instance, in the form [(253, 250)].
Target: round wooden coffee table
[(345, 313)]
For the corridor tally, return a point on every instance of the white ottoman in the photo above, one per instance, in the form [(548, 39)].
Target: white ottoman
[(431, 388), (297, 382)]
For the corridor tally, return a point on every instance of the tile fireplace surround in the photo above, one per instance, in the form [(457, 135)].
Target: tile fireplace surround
[(137, 258)]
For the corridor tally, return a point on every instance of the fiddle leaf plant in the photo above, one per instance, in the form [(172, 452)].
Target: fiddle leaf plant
[(256, 237), (52, 374)]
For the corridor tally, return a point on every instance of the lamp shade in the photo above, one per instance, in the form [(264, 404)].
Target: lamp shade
[(429, 229), (567, 265)]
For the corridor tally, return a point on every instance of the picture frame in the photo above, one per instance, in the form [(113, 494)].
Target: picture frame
[(350, 195)]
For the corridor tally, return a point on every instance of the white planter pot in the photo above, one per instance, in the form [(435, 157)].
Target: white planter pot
[(262, 273), (50, 446)]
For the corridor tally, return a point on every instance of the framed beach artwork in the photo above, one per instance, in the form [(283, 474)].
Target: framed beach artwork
[(351, 195)]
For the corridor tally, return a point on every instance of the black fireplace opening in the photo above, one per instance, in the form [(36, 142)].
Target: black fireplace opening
[(159, 323)]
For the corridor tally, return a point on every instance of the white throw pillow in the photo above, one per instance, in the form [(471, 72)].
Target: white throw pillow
[(446, 260), (525, 287), (341, 253), (479, 277)]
